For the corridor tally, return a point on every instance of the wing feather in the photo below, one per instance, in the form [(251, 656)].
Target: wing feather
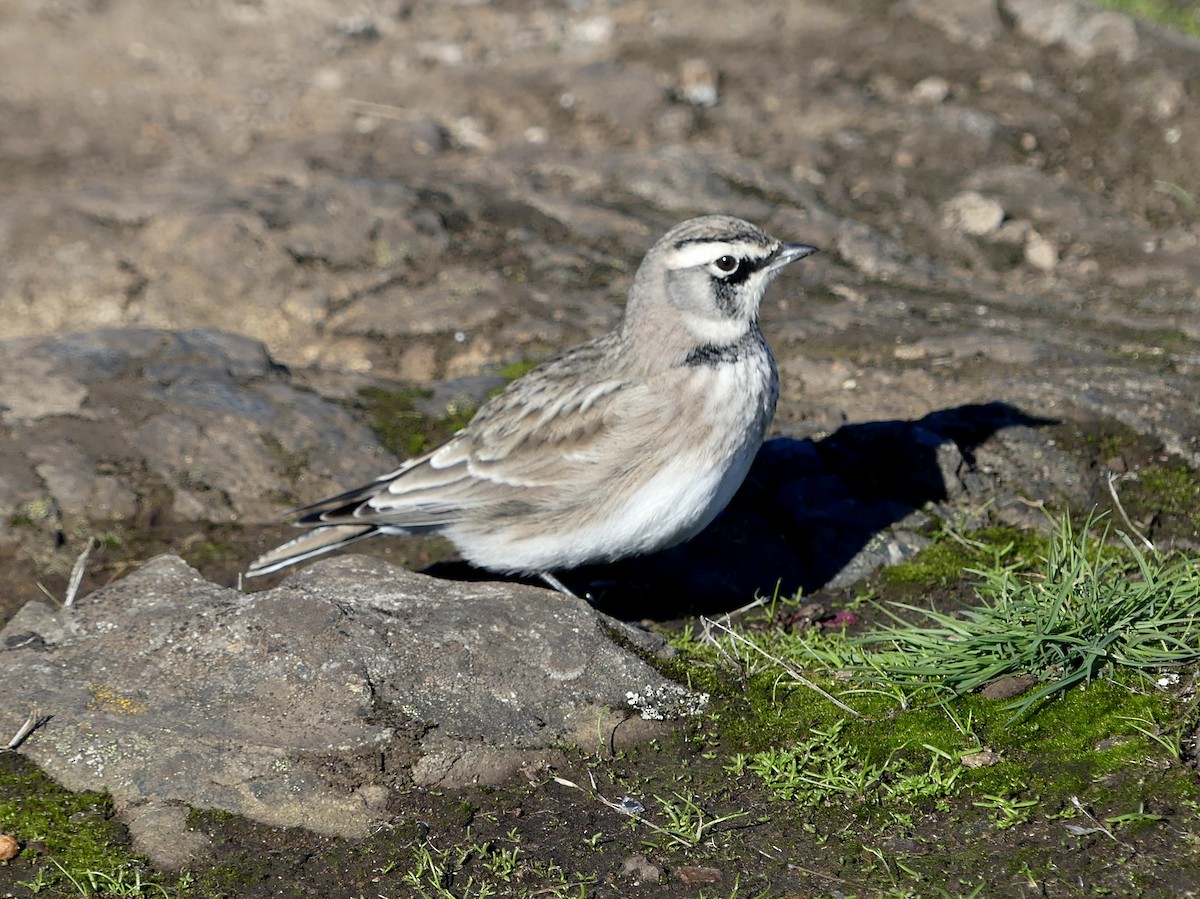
[(541, 441)]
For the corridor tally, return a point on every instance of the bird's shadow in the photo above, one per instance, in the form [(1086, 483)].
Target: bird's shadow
[(806, 517)]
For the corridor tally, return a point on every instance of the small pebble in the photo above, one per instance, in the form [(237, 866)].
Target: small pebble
[(931, 90), (972, 213), (9, 847), (1007, 687), (1040, 253), (984, 758), (638, 869), (698, 83)]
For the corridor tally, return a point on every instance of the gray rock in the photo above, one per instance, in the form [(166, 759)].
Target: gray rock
[(161, 831), (1085, 31), (106, 426), (887, 548), (276, 261), (308, 704), (974, 22), (56, 393), (459, 300)]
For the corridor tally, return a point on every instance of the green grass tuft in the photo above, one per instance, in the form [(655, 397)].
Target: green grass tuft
[(1088, 612)]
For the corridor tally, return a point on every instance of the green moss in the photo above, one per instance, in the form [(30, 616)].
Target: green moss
[(894, 761), (401, 428), (33, 513), (1175, 485), (1171, 492), (406, 432), (66, 836), (944, 561), (74, 826), (515, 370), (215, 551)]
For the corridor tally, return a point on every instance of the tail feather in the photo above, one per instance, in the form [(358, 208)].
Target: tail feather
[(307, 545)]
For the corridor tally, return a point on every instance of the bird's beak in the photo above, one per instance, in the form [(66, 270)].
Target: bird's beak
[(789, 252)]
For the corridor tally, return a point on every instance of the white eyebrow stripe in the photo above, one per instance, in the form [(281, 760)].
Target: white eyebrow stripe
[(704, 252)]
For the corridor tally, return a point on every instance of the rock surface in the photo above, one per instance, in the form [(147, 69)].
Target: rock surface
[(308, 704), (143, 426)]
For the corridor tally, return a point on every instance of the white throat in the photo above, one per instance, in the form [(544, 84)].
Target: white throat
[(716, 332)]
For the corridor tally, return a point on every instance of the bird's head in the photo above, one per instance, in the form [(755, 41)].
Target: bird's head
[(712, 271)]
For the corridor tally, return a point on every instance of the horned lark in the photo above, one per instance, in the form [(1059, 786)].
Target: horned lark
[(627, 444)]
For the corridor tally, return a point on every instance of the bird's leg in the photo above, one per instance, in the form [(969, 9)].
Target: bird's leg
[(561, 587), (555, 583)]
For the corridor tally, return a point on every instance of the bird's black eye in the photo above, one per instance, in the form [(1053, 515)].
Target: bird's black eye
[(727, 264)]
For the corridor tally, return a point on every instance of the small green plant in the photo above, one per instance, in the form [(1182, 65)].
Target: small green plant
[(122, 882), (480, 870), (936, 781), (815, 770), (42, 880), (1150, 729), (501, 863), (1008, 809), (829, 766), (1092, 610), (687, 824), (434, 871), (1133, 820)]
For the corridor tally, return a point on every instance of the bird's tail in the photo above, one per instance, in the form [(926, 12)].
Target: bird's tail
[(307, 545)]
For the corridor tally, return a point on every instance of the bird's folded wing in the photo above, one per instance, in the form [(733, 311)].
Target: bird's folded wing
[(514, 454)]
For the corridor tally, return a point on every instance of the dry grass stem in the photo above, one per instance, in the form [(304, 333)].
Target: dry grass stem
[(738, 639)]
